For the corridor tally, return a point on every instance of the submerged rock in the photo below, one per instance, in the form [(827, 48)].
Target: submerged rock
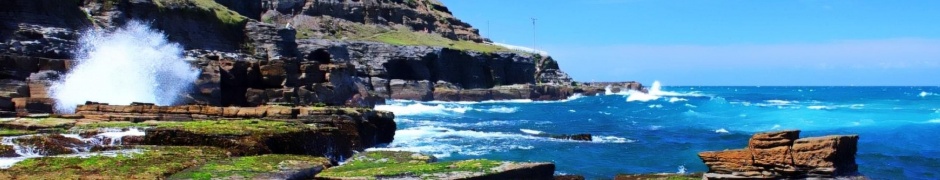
[(575, 137), (409, 165), (781, 154)]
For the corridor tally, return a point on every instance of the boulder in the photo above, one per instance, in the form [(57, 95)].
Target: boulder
[(780, 154), (411, 90)]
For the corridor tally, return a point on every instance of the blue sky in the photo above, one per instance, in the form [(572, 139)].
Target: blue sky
[(724, 42)]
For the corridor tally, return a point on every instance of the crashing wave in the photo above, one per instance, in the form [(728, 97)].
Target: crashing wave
[(131, 64), (655, 92)]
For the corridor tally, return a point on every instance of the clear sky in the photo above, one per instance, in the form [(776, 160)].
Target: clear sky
[(724, 42)]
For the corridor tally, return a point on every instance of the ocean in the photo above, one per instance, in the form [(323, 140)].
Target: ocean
[(663, 131)]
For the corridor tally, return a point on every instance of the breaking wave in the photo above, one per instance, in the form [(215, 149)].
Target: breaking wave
[(131, 64)]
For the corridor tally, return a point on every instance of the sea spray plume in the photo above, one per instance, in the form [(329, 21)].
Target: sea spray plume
[(130, 64)]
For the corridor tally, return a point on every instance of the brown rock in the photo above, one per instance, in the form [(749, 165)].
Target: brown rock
[(773, 148), (51, 144), (728, 161), (8, 151), (776, 155), (833, 155)]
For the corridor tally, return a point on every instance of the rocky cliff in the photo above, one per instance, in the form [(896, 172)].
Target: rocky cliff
[(305, 52)]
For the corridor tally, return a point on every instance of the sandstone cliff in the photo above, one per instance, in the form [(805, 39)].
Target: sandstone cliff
[(305, 52)]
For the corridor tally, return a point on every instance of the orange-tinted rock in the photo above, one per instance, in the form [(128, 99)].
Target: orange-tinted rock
[(739, 160), (828, 154), (773, 148), (776, 155)]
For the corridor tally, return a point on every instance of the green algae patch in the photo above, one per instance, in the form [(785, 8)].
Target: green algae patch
[(150, 163), (375, 164), (271, 166), (14, 132), (235, 127), (115, 125)]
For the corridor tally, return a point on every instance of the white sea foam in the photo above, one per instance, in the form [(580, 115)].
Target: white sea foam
[(655, 92), (532, 132), (675, 99), (131, 64), (611, 139), (113, 137), (925, 94), (820, 107), (778, 102), (656, 106), (934, 121), (454, 124), (721, 131), (443, 142), (419, 108), (416, 109)]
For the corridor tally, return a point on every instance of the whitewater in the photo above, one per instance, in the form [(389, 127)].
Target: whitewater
[(663, 130)]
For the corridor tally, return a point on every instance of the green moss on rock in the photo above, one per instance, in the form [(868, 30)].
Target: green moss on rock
[(14, 132), (237, 127), (271, 166), (150, 163), (223, 14), (377, 164)]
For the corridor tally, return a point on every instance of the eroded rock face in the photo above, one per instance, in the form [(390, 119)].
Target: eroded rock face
[(781, 154)]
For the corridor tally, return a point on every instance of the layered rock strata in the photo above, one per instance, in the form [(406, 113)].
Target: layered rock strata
[(782, 154)]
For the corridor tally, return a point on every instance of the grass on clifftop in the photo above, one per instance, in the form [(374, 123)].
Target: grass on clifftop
[(390, 163), (222, 13), (397, 35), (153, 163), (411, 38), (251, 167)]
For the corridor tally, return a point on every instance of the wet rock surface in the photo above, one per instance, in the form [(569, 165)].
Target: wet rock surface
[(781, 154)]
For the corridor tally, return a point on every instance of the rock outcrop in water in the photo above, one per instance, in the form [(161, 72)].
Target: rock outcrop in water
[(782, 154)]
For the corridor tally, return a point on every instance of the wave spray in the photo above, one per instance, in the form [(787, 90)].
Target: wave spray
[(133, 63)]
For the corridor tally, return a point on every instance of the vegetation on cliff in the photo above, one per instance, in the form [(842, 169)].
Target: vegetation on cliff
[(223, 14)]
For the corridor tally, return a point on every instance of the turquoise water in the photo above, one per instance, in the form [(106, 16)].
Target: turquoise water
[(663, 132)]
